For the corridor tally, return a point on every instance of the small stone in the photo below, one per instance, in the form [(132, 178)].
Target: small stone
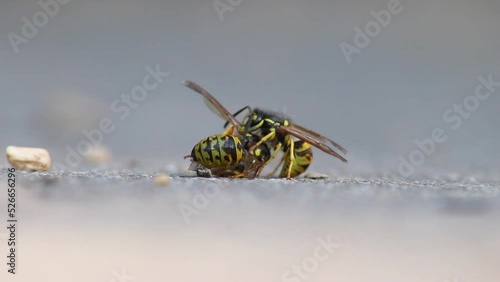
[(161, 179), (315, 175), (25, 158)]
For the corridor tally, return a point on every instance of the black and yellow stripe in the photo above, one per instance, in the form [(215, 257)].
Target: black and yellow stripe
[(303, 157), (218, 151)]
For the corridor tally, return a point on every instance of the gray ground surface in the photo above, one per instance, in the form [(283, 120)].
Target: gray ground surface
[(88, 226)]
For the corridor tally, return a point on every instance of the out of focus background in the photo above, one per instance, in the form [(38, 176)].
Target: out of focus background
[(281, 55), (398, 212)]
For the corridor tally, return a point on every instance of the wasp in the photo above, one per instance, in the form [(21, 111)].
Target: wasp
[(227, 156), (277, 130), (230, 154)]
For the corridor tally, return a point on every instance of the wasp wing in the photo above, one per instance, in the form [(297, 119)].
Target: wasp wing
[(318, 136), (316, 141), (213, 104)]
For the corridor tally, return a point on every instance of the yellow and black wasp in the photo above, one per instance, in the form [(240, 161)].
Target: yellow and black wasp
[(277, 130), (230, 154), (226, 155)]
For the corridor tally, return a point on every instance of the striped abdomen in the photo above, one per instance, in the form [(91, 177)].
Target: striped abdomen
[(218, 151), (303, 158)]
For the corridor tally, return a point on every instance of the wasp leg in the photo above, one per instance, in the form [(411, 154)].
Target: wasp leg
[(229, 130), (229, 173), (276, 150), (278, 166), (257, 174), (292, 158), (271, 135)]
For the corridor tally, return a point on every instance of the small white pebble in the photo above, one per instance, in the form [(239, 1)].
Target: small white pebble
[(25, 158), (161, 179)]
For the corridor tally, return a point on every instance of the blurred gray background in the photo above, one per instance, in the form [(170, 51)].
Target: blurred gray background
[(281, 55)]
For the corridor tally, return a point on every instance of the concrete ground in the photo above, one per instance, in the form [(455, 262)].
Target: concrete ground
[(117, 225)]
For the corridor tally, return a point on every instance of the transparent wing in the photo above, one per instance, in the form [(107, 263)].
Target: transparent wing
[(213, 104), (314, 140)]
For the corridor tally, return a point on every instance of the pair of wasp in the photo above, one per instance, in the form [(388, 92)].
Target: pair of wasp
[(244, 149)]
